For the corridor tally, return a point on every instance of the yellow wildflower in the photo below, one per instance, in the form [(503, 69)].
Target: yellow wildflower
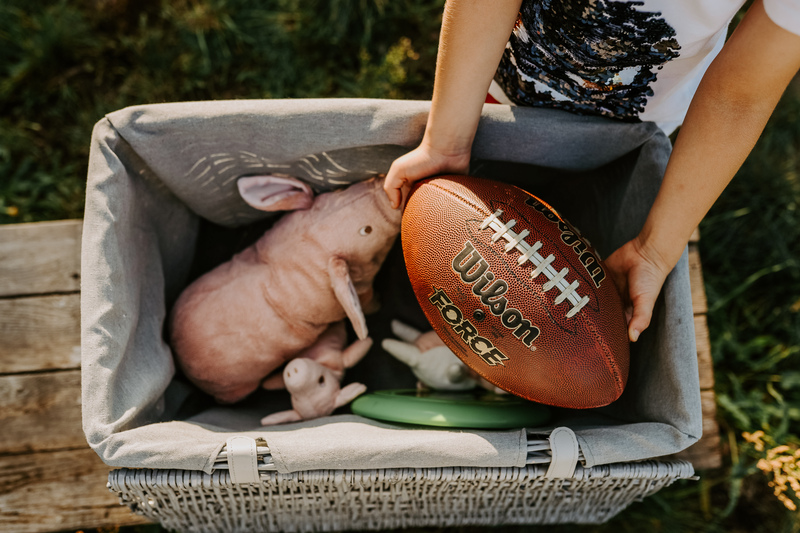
[(755, 439), (783, 464)]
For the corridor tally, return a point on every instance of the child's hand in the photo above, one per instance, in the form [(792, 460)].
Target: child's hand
[(420, 163), (639, 275)]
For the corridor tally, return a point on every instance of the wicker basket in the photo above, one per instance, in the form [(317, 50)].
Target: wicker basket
[(157, 171), (335, 500)]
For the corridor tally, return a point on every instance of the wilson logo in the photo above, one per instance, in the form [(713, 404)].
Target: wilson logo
[(473, 270)]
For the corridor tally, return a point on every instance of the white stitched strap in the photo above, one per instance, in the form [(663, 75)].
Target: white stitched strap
[(564, 450), (243, 460)]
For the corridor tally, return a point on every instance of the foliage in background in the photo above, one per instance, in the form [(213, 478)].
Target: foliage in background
[(63, 65), (751, 257)]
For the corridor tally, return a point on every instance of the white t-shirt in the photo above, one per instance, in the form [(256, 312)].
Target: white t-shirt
[(623, 59)]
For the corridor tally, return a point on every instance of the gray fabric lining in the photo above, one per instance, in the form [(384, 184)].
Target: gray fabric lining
[(155, 171)]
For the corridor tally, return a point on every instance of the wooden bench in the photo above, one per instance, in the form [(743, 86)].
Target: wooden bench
[(49, 478)]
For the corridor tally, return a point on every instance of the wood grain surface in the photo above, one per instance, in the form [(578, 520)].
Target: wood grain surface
[(40, 258), (58, 491), (706, 453), (40, 412), (40, 333)]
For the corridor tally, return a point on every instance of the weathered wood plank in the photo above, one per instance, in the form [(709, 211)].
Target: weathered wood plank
[(704, 363), (40, 333), (705, 453), (699, 301), (40, 258), (40, 412), (58, 491)]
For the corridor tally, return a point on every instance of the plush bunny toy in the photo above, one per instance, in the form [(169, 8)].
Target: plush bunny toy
[(434, 364)]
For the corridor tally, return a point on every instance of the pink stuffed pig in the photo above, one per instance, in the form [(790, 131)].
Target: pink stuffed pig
[(235, 325), (313, 377), (315, 392)]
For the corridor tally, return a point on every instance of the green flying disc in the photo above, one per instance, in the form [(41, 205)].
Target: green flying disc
[(469, 409)]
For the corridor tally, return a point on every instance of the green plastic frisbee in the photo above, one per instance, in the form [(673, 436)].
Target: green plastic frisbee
[(469, 409)]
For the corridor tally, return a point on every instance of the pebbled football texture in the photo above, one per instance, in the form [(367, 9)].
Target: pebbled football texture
[(515, 291)]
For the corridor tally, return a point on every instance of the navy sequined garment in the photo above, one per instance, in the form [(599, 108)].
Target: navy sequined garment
[(596, 57)]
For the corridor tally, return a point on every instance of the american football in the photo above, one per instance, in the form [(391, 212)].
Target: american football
[(515, 291)]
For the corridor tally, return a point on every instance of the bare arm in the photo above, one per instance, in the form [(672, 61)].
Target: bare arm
[(474, 35), (730, 109)]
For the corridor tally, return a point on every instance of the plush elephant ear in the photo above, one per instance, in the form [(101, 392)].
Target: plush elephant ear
[(275, 193)]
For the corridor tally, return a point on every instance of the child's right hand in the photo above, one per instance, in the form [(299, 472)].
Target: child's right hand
[(474, 36), (420, 163)]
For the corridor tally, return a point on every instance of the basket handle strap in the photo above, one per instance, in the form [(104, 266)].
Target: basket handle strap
[(243, 460), (564, 449)]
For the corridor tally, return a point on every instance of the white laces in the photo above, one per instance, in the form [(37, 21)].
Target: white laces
[(542, 265)]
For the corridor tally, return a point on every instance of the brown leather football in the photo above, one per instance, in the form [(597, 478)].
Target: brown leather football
[(515, 291)]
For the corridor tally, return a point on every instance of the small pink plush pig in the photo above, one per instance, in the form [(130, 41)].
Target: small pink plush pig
[(314, 378), (315, 392), (235, 325)]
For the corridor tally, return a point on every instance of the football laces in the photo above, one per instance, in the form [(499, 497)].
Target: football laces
[(556, 279)]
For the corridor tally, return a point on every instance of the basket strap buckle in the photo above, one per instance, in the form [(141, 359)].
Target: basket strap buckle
[(243, 460), (564, 449)]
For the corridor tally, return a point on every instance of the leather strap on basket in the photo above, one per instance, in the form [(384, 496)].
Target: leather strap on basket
[(243, 460), (564, 449)]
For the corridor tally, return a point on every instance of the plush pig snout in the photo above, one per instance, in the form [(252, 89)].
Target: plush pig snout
[(295, 370), (301, 373)]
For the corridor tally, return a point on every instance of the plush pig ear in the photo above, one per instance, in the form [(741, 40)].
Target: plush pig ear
[(349, 393), (275, 193), (345, 292), (274, 381)]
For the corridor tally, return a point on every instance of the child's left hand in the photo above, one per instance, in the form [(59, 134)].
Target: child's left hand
[(639, 274)]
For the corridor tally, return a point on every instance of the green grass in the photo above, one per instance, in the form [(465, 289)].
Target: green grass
[(750, 247), (63, 65)]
